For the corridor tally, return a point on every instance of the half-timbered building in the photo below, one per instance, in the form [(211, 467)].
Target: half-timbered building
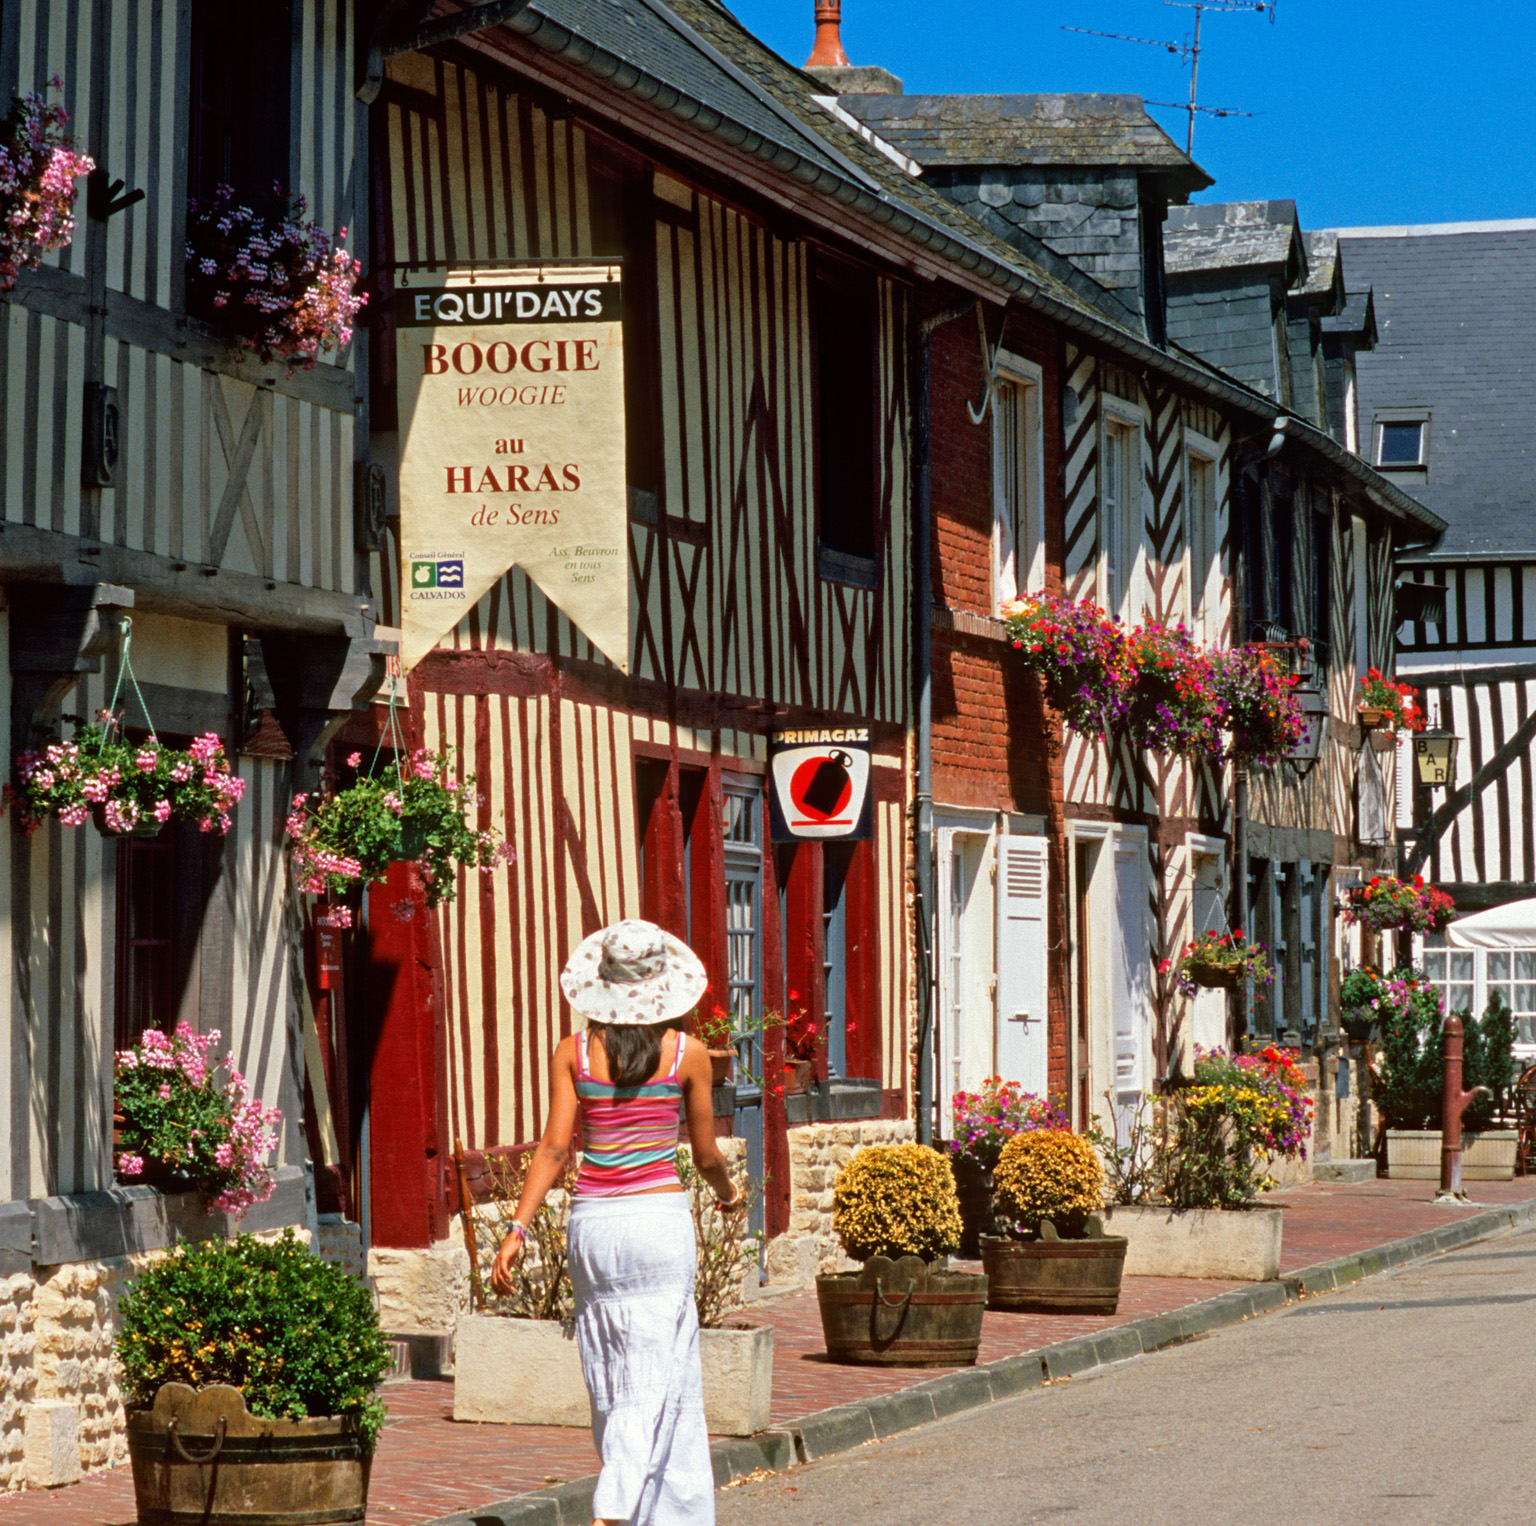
[(1442, 414), (170, 503)]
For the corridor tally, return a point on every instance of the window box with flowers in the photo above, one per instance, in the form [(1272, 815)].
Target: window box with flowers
[(1384, 702), (126, 787), (38, 170), (411, 811), (279, 283), (179, 1125), (981, 1123), (1387, 904), (1219, 961), (1080, 655)]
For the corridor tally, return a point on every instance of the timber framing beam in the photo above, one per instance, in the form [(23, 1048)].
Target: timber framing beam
[(31, 555)]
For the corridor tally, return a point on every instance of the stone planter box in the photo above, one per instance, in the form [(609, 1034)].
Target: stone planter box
[(1203, 1242), (1413, 1155), (527, 1372)]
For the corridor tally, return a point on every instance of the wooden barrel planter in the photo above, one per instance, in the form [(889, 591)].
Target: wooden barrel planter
[(201, 1459), (1054, 1276), (973, 1186), (904, 1313)]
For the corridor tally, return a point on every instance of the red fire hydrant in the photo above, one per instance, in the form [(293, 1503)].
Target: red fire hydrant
[(1454, 1102)]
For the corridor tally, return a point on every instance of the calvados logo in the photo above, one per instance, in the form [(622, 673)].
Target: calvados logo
[(442, 572)]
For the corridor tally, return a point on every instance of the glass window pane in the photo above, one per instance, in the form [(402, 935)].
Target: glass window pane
[(1525, 999), (1498, 966), (1525, 965), (1459, 999), (1525, 1031), (1461, 966), (1401, 444), (1434, 965)]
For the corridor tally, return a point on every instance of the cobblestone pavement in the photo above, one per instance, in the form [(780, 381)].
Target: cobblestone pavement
[(427, 1466)]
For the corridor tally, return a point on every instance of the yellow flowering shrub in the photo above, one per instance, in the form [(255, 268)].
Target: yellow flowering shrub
[(896, 1200), (1049, 1174)]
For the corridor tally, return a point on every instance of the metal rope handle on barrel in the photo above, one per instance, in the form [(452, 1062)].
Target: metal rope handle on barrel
[(179, 1447), (901, 1303)]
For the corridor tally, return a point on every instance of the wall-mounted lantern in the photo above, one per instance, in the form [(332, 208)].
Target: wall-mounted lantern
[(1436, 755), (1309, 746)]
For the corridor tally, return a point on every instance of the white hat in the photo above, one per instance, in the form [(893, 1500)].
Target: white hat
[(633, 972)]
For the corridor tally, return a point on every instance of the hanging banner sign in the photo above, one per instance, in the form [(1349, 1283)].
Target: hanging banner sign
[(820, 783), (511, 392)]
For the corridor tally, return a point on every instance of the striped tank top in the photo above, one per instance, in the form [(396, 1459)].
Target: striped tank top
[(629, 1134)]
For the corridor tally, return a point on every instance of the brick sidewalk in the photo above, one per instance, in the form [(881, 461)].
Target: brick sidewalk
[(429, 1467)]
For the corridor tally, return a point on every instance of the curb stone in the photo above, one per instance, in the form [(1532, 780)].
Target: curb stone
[(846, 1426)]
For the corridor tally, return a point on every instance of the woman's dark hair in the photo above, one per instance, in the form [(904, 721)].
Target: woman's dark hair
[(633, 1050)]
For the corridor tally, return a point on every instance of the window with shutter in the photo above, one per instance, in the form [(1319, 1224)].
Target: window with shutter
[(1018, 510), (1120, 515), (1022, 878)]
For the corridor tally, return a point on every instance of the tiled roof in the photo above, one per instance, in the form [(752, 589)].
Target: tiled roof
[(1026, 129), (1457, 318), (1232, 235)]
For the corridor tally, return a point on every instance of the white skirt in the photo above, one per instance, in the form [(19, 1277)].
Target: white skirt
[(632, 1267)]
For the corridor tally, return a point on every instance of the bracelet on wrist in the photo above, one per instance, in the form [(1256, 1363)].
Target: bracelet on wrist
[(520, 1230)]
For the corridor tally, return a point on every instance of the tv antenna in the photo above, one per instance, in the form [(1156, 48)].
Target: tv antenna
[(1188, 52)]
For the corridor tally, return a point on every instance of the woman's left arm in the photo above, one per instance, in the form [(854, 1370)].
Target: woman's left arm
[(549, 1160)]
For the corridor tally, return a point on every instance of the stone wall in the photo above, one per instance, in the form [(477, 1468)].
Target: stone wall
[(817, 1152)]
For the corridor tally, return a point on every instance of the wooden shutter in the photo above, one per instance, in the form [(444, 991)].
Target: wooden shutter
[(1023, 871)]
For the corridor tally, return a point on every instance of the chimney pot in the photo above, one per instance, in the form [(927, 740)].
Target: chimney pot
[(827, 52)]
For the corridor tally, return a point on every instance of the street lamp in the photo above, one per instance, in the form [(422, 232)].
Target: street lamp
[(1436, 754), (1308, 748)]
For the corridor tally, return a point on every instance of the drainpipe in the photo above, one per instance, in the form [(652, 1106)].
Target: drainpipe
[(922, 679), (1240, 869)]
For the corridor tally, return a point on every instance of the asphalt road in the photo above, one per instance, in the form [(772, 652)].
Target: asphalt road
[(1411, 1399)]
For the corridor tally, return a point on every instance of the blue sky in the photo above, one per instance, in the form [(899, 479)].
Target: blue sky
[(1365, 111)]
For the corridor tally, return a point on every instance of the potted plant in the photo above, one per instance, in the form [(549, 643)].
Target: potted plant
[(1218, 1135), (1360, 997), (249, 1368), (259, 269), (1409, 1082), (514, 1361), (178, 1124), (1053, 1255), (38, 170), (411, 811), (1388, 904), (1217, 961), (126, 787), (713, 1031), (1172, 704), (1079, 654), (981, 1123), (1383, 702), (803, 1042), (1256, 704), (894, 1209)]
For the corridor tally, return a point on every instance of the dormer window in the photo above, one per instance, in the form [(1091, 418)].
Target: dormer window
[(1402, 440)]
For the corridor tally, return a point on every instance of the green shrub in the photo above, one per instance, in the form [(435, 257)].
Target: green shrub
[(896, 1200), (295, 1334)]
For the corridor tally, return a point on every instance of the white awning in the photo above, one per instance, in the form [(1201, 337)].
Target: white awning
[(1512, 925)]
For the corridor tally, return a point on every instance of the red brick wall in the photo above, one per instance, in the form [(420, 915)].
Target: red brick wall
[(994, 746)]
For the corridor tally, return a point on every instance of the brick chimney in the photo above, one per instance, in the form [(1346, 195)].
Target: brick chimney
[(829, 65)]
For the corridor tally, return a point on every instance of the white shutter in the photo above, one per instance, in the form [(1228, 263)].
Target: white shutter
[(1403, 779), (1130, 956), (1023, 872)]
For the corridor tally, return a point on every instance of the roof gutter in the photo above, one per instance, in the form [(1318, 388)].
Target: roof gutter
[(560, 41)]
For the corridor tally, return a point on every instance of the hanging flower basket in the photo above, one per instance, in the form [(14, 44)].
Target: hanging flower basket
[(179, 1124), (1388, 905), (128, 788), (276, 280), (1080, 656), (1255, 694), (1218, 961), (1173, 704), (411, 812), (38, 170), (1383, 702)]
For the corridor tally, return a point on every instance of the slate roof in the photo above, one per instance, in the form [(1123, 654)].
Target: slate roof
[(1027, 129), (1456, 312), (1233, 235), (1324, 276)]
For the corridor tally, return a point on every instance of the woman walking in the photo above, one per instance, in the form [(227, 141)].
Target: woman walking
[(628, 1079)]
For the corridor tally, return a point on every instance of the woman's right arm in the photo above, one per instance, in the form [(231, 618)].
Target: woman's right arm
[(699, 1109), (549, 1160)]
